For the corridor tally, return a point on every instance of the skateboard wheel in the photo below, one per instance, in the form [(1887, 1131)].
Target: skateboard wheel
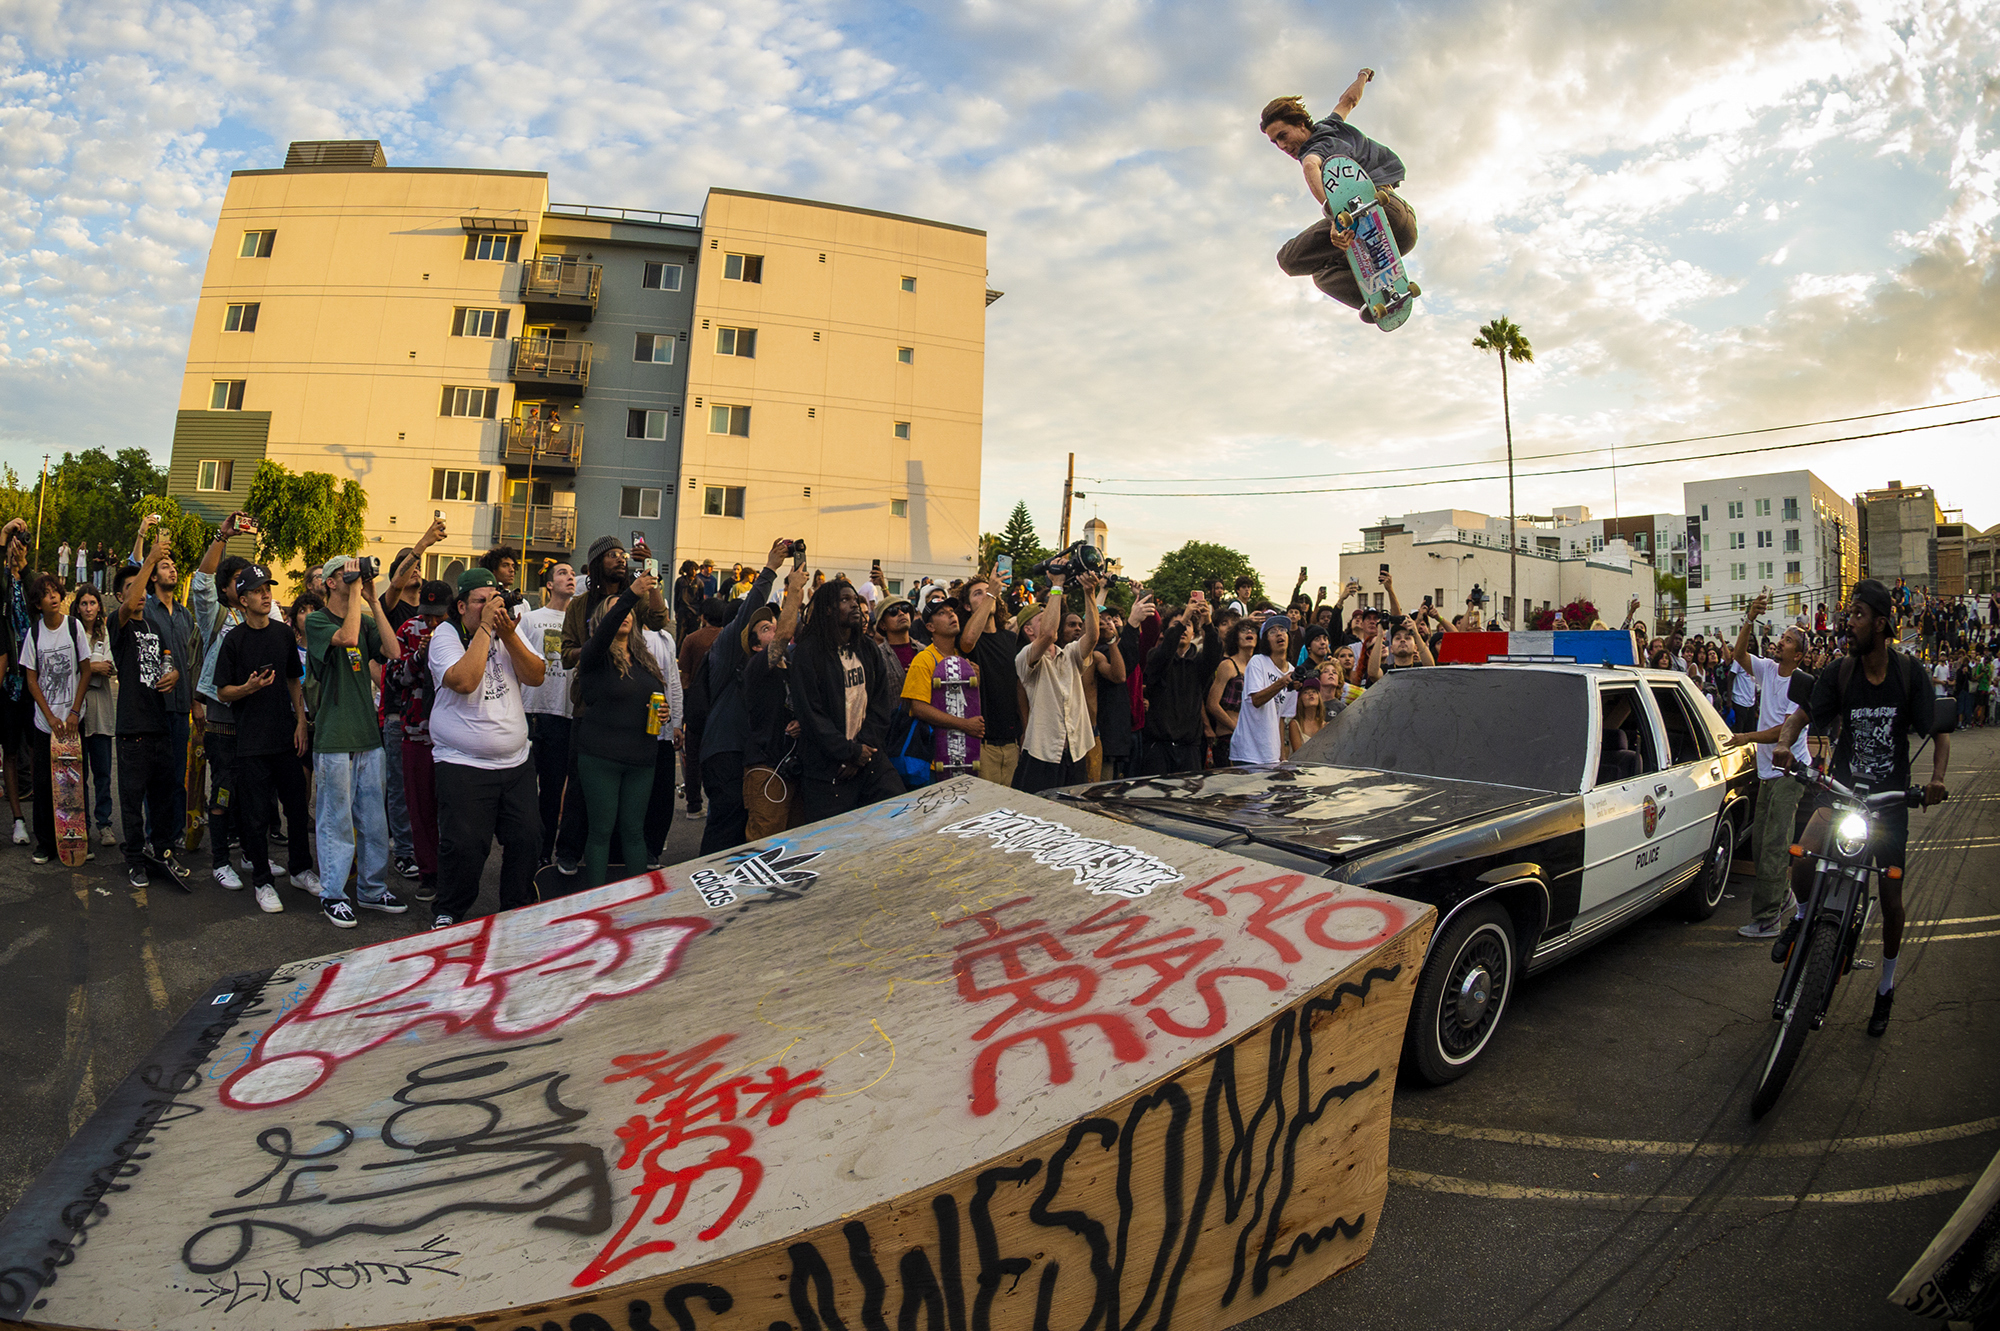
[(1416, 290), (1343, 221)]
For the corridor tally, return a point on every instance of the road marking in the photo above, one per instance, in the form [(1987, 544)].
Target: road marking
[(22, 944), (149, 963), (1637, 1201), (1639, 1146)]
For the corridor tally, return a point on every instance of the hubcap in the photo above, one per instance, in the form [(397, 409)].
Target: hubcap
[(1474, 992)]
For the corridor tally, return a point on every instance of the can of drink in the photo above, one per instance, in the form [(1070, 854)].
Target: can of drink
[(653, 706)]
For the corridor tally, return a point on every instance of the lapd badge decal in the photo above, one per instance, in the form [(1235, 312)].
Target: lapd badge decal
[(1652, 815)]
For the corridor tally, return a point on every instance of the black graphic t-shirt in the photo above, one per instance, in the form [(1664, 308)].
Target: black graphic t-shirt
[(142, 661), (1874, 747), (265, 722)]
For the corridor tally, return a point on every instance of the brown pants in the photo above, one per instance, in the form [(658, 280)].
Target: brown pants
[(1312, 252), (768, 799)]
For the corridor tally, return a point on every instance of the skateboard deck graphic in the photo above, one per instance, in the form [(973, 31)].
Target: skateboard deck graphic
[(66, 776), (955, 692), (1356, 209), (197, 786)]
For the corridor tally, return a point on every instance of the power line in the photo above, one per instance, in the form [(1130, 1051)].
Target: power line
[(1554, 471), (1541, 457)]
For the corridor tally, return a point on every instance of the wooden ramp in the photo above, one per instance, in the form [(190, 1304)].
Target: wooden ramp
[(962, 1061)]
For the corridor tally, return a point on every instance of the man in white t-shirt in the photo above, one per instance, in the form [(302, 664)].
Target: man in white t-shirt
[(548, 703), (1270, 697), (53, 651), (479, 747), (1777, 794)]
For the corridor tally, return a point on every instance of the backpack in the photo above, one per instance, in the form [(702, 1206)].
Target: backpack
[(912, 741)]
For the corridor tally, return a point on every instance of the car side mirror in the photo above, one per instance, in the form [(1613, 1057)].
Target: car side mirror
[(1800, 688), (1944, 717)]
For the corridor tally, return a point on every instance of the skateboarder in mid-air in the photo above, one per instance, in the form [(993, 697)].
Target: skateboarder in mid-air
[(1319, 251)]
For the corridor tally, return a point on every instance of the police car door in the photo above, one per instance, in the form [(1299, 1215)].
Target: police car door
[(1691, 787), (1621, 810)]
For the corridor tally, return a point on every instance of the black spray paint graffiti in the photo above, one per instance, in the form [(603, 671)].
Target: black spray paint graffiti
[(1245, 1166), (35, 1241), (242, 1287), (770, 871), (465, 1140), (1098, 866)]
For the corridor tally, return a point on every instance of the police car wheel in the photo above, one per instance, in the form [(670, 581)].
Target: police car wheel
[(1462, 995), (1698, 900)]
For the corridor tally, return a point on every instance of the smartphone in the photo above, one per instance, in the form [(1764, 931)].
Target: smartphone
[(437, 515), (1197, 595), (638, 540), (1322, 591), (878, 566), (652, 567), (1384, 567)]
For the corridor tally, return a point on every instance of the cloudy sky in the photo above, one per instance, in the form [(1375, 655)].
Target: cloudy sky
[(1710, 215)]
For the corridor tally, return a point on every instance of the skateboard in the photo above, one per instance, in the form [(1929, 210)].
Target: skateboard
[(955, 692), (1385, 284), (66, 776), (197, 786)]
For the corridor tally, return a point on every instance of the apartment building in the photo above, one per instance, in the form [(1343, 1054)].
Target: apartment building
[(1788, 533), (1899, 528), (460, 345)]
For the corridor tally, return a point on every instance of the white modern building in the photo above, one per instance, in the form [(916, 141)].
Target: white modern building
[(1788, 533), (1564, 556)]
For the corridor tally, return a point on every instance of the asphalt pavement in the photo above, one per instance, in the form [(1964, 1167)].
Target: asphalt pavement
[(1599, 1169)]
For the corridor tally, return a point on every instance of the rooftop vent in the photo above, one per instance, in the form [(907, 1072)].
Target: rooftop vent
[(350, 153)]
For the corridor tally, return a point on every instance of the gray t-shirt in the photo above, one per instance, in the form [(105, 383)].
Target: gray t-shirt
[(1334, 137)]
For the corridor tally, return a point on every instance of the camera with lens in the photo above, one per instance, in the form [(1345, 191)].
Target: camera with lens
[(1478, 597), (795, 548), (1079, 557), (369, 568)]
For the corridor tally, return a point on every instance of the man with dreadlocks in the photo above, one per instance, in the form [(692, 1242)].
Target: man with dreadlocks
[(1320, 251), (841, 697)]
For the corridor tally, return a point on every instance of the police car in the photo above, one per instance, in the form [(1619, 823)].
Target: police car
[(1539, 803)]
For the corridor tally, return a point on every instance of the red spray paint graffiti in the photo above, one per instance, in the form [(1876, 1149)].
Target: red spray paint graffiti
[(1056, 987), (713, 1119), (517, 973)]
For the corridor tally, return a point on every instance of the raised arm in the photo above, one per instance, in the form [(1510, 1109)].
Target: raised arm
[(134, 604), (408, 576), (1352, 97), (597, 651), (1746, 635)]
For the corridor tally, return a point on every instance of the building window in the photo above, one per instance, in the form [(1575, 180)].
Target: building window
[(736, 342), (1793, 575), (478, 323), (895, 586), (729, 420), (1735, 508), (1763, 509), (722, 501), (214, 474), (464, 486), (638, 502), (906, 355), (1736, 540), (902, 429), (662, 277), (1794, 604), (256, 244), (240, 318), (1704, 540), (645, 424), (743, 267), (469, 402), (1736, 572), (1792, 540), (504, 249), (654, 348), (1764, 570), (1791, 508), (899, 508), (909, 284), (1764, 539), (225, 395), (1704, 512)]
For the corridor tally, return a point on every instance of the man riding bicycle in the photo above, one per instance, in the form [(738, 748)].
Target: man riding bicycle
[(1879, 697)]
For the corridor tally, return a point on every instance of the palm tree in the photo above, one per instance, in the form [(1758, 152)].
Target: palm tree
[(1504, 336)]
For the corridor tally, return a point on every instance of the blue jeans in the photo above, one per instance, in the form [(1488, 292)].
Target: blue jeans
[(97, 770), (352, 823), (399, 810)]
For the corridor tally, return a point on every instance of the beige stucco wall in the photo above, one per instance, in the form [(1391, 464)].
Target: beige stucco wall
[(823, 411)]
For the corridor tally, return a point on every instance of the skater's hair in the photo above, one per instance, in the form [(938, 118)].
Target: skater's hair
[(1285, 110), (94, 628), (225, 575), (43, 584)]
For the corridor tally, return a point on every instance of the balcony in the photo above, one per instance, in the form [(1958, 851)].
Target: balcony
[(545, 445), (547, 527), (560, 289), (551, 364)]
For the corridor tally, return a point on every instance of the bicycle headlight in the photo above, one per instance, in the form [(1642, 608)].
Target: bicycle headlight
[(1850, 833)]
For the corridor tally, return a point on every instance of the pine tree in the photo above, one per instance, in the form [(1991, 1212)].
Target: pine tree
[(1018, 538)]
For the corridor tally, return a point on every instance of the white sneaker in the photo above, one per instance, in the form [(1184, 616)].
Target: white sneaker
[(267, 899), (21, 837), (306, 881), (226, 876)]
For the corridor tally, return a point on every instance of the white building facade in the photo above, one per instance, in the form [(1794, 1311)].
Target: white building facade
[(1788, 533)]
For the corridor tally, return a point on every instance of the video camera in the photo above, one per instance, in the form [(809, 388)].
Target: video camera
[(1079, 557), (369, 568)]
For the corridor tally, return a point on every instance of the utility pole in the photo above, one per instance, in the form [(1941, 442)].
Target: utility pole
[(1069, 489), (41, 503)]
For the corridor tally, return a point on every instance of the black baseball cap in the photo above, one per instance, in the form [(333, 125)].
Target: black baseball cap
[(252, 576), (435, 598)]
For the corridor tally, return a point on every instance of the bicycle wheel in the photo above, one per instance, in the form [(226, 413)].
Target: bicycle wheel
[(1822, 956)]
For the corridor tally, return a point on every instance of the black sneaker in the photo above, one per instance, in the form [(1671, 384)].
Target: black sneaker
[(1781, 950), (390, 904), (338, 913), (1878, 1020), (427, 890), (406, 867), (137, 876)]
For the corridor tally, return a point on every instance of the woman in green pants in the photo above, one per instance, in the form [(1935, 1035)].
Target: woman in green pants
[(616, 680)]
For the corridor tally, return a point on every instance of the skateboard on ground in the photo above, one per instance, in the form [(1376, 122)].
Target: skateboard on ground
[(1385, 284), (955, 692), (197, 786), (66, 777)]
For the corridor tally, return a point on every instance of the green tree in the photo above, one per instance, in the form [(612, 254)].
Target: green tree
[(92, 496), (1018, 538), (1191, 566), (309, 516), (1505, 338)]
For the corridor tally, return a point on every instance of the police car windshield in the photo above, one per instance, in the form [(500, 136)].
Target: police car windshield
[(1475, 723)]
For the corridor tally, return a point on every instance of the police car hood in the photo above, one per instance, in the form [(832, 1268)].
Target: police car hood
[(1332, 813)]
